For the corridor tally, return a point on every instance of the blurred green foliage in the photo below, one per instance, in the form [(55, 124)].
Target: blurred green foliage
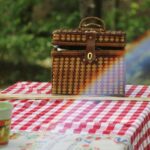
[(24, 36), (133, 18), (138, 20), (26, 26)]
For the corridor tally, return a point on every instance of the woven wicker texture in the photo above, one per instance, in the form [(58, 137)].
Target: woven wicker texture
[(72, 76), (88, 60)]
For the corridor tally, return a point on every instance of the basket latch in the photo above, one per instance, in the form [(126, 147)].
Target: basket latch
[(90, 47), (90, 26)]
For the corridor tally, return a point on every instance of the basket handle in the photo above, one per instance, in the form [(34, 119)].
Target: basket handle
[(92, 23)]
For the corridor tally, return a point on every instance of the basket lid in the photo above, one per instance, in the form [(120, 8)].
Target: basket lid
[(89, 25)]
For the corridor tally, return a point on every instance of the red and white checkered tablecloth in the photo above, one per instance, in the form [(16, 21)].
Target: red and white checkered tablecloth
[(130, 119)]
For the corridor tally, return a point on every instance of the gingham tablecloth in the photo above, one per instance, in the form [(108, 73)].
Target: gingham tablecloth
[(128, 119)]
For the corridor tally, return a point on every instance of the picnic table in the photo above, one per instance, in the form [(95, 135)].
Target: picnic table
[(119, 125)]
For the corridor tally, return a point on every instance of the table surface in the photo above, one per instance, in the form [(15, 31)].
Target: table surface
[(127, 119), (23, 140)]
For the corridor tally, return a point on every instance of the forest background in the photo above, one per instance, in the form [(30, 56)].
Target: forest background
[(26, 28)]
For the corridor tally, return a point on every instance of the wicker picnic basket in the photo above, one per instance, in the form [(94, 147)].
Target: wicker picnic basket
[(88, 60)]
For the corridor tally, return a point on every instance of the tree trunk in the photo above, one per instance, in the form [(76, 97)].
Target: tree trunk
[(98, 8), (90, 8), (116, 19)]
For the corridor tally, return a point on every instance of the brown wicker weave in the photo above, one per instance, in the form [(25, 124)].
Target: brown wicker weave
[(88, 60)]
